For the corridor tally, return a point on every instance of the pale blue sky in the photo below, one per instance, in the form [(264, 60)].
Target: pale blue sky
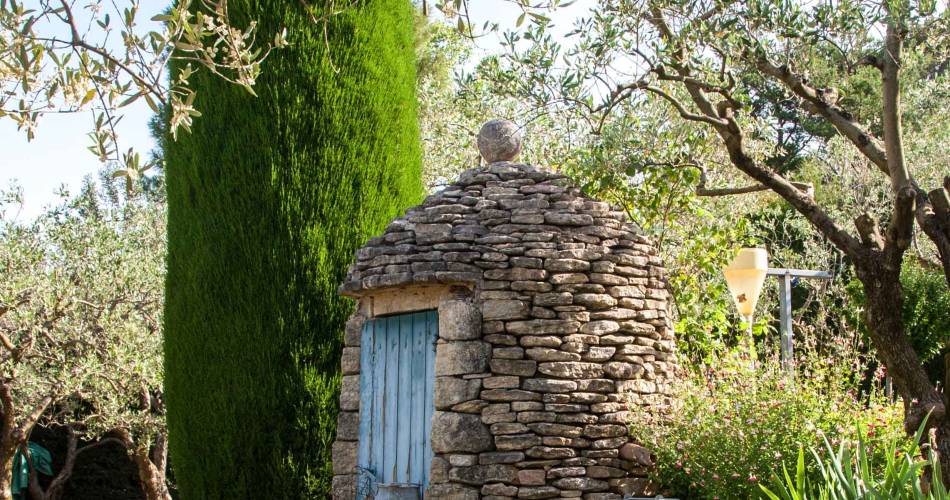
[(57, 156)]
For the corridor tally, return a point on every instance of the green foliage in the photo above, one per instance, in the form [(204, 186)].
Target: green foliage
[(926, 302), (858, 471), (732, 423), (269, 197)]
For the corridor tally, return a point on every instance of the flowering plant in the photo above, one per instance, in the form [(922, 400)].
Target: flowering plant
[(731, 425)]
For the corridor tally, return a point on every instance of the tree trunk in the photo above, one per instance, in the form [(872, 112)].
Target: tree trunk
[(151, 463), (153, 479), (883, 314), (6, 475)]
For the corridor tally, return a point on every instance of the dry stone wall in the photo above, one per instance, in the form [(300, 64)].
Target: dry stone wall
[(557, 327)]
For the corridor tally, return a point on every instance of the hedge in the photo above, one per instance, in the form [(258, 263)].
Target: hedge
[(269, 197)]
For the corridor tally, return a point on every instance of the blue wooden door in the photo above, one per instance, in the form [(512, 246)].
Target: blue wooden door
[(396, 382)]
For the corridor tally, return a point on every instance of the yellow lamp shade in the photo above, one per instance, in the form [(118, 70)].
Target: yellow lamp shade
[(745, 276)]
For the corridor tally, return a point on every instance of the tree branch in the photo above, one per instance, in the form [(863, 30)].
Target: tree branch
[(891, 94), (815, 102), (702, 190), (901, 229), (684, 113)]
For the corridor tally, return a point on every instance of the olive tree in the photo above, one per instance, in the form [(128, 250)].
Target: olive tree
[(80, 338), (93, 56), (778, 82)]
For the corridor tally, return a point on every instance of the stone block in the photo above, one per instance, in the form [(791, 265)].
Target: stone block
[(538, 492), (521, 368), (499, 490), (635, 453), (531, 477), (600, 327), (605, 431), (548, 354), (549, 452), (462, 357), (344, 457), (500, 457), (481, 474), (510, 395), (350, 393), (459, 433), (451, 391), (582, 483), (566, 265), (571, 370), (343, 487), (348, 426), (350, 361), (516, 442), (459, 320), (502, 382), (595, 300), (451, 491), (504, 309), (549, 385), (542, 327), (541, 341)]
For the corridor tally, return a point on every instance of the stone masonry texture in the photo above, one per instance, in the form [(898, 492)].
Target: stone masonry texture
[(568, 301)]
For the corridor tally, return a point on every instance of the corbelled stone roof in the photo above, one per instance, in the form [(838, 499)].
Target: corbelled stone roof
[(504, 211)]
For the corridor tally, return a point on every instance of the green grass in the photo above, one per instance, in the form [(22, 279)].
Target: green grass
[(269, 197)]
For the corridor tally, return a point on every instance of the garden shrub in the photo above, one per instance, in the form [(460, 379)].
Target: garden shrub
[(731, 425), (269, 197)]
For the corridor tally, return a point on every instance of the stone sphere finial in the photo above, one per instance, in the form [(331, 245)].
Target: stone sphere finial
[(499, 140)]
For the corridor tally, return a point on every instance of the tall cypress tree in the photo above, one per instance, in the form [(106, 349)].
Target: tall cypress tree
[(269, 197)]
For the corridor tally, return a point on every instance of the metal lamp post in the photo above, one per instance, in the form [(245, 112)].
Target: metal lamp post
[(745, 276)]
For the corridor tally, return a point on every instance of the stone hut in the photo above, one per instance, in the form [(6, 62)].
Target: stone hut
[(506, 327)]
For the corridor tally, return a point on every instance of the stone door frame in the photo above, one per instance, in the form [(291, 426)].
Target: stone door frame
[(460, 354)]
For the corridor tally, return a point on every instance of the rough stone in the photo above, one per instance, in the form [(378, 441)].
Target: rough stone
[(499, 140), (516, 442), (500, 457), (638, 454), (481, 474), (595, 300), (566, 265), (459, 320), (553, 299), (504, 309), (541, 341), (510, 395), (600, 327), (581, 483), (350, 393), (499, 490), (549, 385), (522, 368), (450, 391), (344, 457), (548, 354), (572, 370), (538, 492), (531, 477), (459, 358), (502, 382), (542, 327), (459, 432), (605, 431)]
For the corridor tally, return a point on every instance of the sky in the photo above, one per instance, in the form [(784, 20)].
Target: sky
[(58, 157)]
